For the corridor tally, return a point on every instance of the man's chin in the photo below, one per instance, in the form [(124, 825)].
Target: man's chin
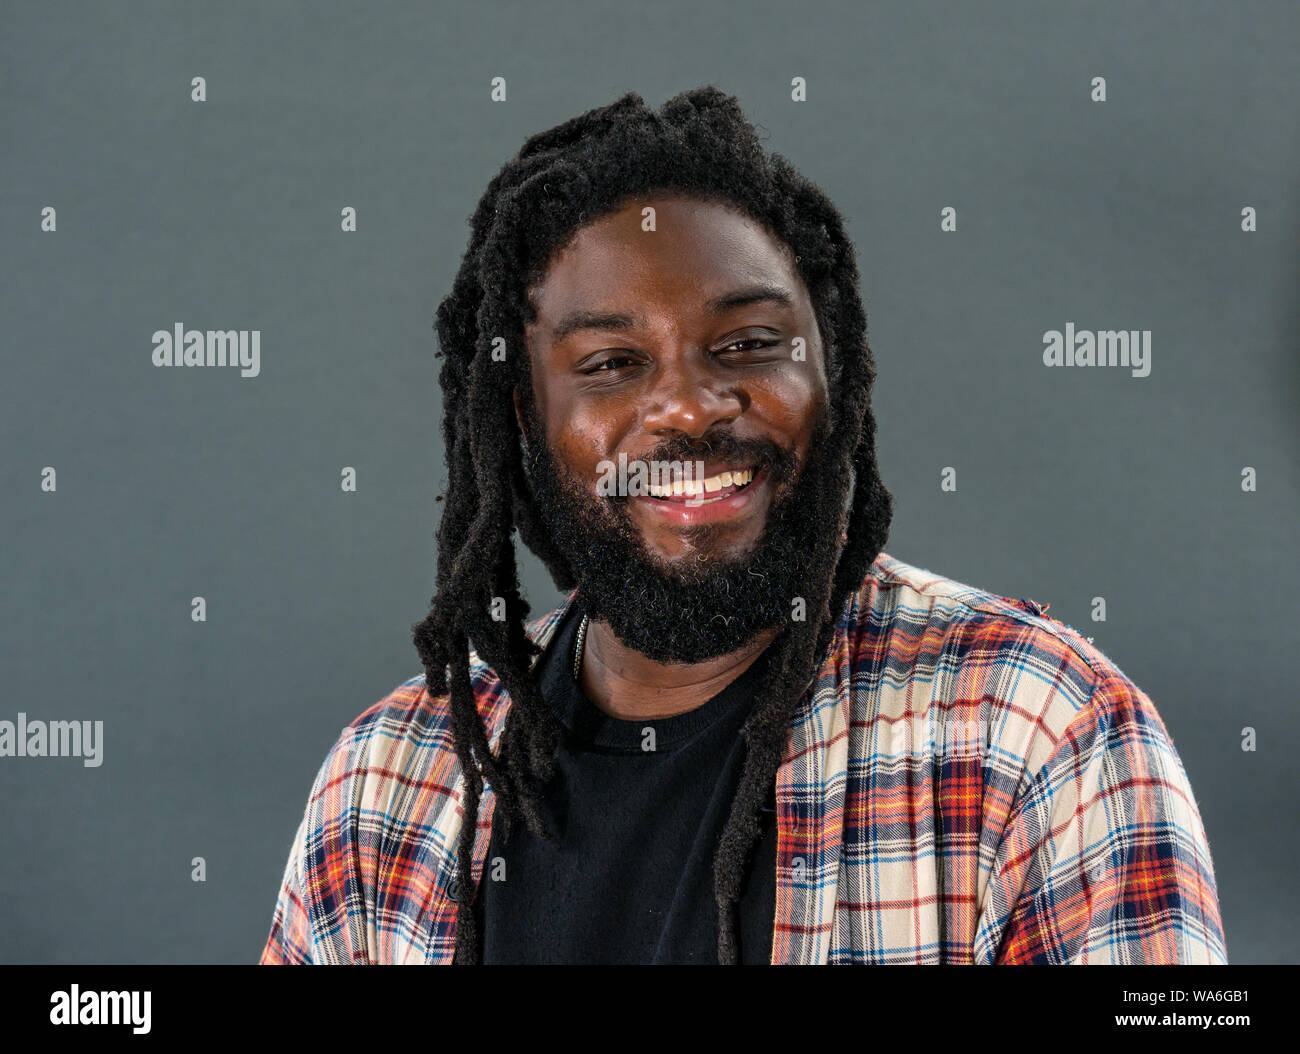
[(682, 611), (698, 558)]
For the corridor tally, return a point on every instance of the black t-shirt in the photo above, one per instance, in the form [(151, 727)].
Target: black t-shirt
[(638, 807)]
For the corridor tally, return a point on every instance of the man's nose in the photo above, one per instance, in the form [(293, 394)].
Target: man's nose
[(687, 398)]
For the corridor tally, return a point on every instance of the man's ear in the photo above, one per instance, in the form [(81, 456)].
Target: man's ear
[(519, 415)]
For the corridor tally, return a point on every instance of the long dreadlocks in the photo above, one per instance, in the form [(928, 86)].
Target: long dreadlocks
[(699, 143)]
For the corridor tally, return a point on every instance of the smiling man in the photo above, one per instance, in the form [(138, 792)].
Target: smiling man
[(747, 734)]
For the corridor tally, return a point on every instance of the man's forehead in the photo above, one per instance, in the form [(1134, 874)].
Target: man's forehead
[(688, 261)]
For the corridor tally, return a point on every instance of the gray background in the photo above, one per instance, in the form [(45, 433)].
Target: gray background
[(180, 482)]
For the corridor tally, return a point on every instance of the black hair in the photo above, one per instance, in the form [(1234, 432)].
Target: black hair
[(698, 144)]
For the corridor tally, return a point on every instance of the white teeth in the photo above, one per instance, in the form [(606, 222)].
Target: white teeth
[(697, 487)]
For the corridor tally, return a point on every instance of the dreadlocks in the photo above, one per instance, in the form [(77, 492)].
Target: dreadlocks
[(700, 144)]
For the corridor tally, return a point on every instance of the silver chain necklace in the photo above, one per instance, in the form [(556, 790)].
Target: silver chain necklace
[(577, 650)]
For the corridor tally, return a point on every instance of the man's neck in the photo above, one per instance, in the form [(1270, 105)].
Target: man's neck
[(627, 685)]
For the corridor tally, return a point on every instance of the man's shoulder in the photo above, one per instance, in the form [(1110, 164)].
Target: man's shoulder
[(919, 604), (930, 642), (409, 730)]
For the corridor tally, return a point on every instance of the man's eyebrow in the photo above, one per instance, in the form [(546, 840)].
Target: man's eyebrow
[(576, 320), (752, 294)]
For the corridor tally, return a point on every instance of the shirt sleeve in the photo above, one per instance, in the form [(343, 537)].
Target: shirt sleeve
[(289, 943), (1105, 858), (306, 881)]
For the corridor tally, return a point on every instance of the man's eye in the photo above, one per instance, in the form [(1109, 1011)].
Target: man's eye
[(605, 366), (754, 342)]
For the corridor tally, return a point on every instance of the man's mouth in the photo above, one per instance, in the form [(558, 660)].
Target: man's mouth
[(729, 495), (712, 487)]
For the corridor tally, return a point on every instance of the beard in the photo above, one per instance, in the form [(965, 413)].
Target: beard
[(703, 604)]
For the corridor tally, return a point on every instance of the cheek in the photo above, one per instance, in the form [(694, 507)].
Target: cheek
[(579, 446), (790, 405)]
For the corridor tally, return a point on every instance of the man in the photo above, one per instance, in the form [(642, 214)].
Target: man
[(747, 735)]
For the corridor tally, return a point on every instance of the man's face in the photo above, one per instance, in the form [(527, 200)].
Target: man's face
[(680, 344)]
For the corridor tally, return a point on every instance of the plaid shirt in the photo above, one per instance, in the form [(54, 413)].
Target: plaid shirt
[(967, 781)]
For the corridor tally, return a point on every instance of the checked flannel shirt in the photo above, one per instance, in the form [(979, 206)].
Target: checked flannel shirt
[(967, 781)]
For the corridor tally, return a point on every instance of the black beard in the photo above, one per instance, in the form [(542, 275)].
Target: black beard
[(697, 607)]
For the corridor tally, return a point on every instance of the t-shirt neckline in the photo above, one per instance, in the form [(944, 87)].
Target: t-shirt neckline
[(592, 727)]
